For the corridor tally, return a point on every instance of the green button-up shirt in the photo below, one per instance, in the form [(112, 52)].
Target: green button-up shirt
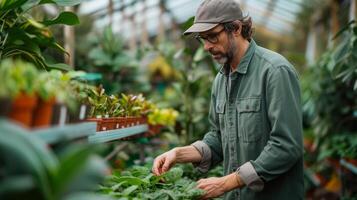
[(256, 127)]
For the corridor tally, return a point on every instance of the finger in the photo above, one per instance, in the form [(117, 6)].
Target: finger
[(157, 165), (166, 166)]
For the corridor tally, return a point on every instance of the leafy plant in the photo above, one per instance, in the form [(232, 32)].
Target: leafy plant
[(17, 76), (166, 117), (23, 36), (331, 94), (139, 183), (30, 170), (109, 57)]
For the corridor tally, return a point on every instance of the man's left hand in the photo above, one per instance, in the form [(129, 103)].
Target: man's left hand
[(215, 187)]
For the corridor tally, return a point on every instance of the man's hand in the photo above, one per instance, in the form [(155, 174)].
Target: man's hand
[(177, 155), (164, 162), (215, 187)]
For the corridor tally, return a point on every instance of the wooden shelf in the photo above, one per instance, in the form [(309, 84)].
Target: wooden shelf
[(111, 135)]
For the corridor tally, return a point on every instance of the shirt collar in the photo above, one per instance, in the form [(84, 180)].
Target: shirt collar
[(244, 63)]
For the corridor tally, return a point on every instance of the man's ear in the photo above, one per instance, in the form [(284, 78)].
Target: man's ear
[(238, 29)]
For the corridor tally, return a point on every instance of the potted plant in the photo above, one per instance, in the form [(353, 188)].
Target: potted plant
[(21, 77), (46, 90)]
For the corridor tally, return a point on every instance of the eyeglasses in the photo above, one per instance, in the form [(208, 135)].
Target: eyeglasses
[(211, 37)]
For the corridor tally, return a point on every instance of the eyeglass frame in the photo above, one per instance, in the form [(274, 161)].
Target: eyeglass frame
[(211, 37)]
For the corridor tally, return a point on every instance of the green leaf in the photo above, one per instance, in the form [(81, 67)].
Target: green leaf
[(130, 189), (10, 5), (59, 66), (199, 55), (29, 4), (71, 163), (68, 18)]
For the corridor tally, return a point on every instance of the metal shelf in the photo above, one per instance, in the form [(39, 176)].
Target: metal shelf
[(107, 136), (349, 166), (64, 133)]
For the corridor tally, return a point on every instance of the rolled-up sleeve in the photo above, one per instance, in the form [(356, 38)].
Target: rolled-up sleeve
[(250, 177), (284, 147), (204, 165)]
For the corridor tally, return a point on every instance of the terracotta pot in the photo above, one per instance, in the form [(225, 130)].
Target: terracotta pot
[(22, 109), (5, 105), (109, 123), (43, 113)]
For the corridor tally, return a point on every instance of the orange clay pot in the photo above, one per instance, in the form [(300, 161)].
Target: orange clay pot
[(22, 109)]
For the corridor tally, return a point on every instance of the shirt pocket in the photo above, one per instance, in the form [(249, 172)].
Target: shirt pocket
[(220, 110), (249, 119)]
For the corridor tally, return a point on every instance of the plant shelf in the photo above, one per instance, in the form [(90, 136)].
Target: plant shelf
[(111, 135), (349, 166), (66, 133)]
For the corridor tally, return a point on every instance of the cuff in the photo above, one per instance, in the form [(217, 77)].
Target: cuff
[(205, 152), (250, 177)]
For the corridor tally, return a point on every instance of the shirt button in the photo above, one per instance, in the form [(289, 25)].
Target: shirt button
[(231, 123)]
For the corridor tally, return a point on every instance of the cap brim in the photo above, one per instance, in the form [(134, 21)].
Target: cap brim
[(199, 27)]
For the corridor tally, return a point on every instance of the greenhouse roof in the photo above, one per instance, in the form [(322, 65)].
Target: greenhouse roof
[(276, 16)]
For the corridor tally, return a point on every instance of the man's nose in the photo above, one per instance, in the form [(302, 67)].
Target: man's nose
[(207, 45)]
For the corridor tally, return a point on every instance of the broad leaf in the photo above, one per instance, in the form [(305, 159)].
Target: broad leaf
[(68, 18)]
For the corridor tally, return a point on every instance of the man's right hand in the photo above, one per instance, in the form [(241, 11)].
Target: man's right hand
[(164, 162)]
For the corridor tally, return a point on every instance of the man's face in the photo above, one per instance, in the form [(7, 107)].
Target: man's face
[(216, 43)]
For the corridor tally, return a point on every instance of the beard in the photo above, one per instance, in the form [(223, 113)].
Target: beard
[(225, 58)]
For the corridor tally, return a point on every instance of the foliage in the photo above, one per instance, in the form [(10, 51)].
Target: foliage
[(30, 170), (108, 57), (339, 146), (139, 183), (332, 87), (190, 93), (23, 36), (163, 117), (17, 76)]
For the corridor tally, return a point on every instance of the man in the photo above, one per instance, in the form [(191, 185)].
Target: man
[(255, 114)]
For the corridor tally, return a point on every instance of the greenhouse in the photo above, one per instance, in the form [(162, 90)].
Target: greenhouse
[(178, 99)]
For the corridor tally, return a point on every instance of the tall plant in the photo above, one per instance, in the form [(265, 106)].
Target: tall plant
[(23, 36)]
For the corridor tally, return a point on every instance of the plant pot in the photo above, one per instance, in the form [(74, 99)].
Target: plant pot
[(80, 115), (5, 105), (22, 109), (43, 113), (108, 123), (60, 115), (153, 130)]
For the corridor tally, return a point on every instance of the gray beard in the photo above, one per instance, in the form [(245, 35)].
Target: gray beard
[(223, 60)]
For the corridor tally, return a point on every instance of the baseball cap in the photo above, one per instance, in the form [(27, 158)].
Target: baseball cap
[(213, 12)]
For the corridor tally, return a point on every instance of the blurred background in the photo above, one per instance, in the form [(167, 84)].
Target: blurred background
[(137, 46)]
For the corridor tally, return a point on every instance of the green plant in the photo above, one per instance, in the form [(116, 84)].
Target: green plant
[(139, 183), (166, 117), (329, 94), (23, 36), (189, 94), (109, 58), (17, 76), (98, 100), (30, 170)]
